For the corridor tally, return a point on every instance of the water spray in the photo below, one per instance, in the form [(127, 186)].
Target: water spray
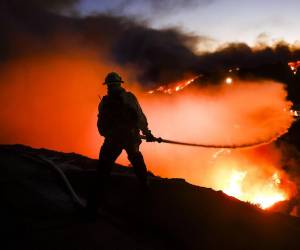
[(295, 113)]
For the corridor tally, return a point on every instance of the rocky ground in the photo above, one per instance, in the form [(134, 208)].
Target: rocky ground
[(39, 212)]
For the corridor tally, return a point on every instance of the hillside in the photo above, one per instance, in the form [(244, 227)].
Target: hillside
[(38, 211)]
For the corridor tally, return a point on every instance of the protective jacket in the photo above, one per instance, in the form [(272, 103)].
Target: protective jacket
[(120, 114)]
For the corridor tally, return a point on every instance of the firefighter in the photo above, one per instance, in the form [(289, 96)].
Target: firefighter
[(120, 120)]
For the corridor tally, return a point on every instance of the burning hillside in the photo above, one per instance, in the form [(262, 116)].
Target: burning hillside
[(237, 114), (254, 178), (51, 75), (222, 116)]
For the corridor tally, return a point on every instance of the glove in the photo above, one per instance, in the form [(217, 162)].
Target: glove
[(149, 136)]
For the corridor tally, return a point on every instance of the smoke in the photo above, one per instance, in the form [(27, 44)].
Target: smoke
[(51, 100), (157, 56), (241, 113), (238, 114), (30, 29), (149, 7), (242, 55), (51, 71), (226, 114)]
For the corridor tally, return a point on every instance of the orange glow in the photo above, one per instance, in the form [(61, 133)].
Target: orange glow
[(254, 177), (51, 101), (222, 115), (228, 80), (268, 195)]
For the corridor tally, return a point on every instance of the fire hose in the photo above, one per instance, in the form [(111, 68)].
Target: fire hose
[(228, 146)]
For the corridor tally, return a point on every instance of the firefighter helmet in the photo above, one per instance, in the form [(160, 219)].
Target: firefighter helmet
[(113, 77)]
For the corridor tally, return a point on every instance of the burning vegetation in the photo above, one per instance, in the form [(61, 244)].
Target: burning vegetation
[(237, 114), (294, 66), (248, 175), (262, 184), (172, 88), (269, 194)]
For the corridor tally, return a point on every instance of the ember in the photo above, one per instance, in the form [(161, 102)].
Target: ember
[(294, 66), (229, 80)]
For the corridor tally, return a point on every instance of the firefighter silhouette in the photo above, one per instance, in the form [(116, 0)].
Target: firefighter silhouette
[(120, 120)]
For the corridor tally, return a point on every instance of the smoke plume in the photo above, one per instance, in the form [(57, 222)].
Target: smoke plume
[(157, 56)]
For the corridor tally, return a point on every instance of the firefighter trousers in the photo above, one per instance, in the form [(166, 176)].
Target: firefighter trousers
[(109, 152)]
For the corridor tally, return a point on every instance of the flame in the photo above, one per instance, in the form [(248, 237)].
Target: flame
[(295, 113), (234, 184), (175, 87), (294, 66), (261, 192), (234, 69), (271, 194)]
